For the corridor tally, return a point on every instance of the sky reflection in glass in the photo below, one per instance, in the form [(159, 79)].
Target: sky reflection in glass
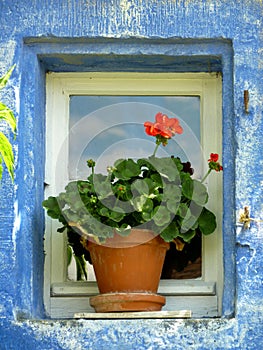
[(106, 128)]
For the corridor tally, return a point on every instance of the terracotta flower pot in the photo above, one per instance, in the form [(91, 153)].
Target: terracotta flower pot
[(128, 271)]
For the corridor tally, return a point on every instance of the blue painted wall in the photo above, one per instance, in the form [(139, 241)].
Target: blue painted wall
[(179, 35)]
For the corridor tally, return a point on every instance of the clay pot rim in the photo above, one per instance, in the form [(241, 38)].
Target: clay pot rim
[(131, 240)]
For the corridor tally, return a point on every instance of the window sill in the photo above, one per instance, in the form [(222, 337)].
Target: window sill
[(71, 300), (166, 288), (134, 315)]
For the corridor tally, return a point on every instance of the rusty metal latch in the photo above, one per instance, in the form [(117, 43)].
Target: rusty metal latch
[(244, 218)]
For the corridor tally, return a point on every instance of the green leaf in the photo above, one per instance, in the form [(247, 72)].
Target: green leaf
[(138, 202), (157, 180), (70, 216), (194, 190), (161, 216), (146, 216), (207, 222), (102, 186), (61, 229), (189, 222), (126, 169), (104, 212), (81, 268), (172, 191), (54, 211), (147, 206), (190, 219), (170, 232), (142, 204), (124, 230), (51, 203), (84, 187), (173, 205), (6, 151), (166, 168), (69, 254), (8, 116), (5, 78), (141, 186), (187, 236), (182, 210), (6, 154), (187, 187), (117, 215), (200, 195)]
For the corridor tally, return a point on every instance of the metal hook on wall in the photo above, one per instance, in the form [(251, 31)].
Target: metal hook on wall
[(246, 100), (244, 218)]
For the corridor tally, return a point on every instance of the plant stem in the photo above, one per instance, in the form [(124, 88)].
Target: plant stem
[(209, 171), (155, 150)]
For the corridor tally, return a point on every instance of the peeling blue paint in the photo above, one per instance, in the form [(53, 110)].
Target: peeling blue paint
[(179, 35)]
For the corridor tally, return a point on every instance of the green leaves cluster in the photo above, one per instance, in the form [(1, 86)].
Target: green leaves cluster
[(6, 115), (153, 193)]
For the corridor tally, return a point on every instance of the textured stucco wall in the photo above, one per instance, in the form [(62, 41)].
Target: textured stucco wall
[(27, 28)]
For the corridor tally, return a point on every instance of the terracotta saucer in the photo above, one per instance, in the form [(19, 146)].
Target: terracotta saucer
[(124, 302)]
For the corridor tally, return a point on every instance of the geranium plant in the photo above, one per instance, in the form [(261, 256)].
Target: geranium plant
[(154, 193)]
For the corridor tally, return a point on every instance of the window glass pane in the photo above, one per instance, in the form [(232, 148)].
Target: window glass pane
[(106, 128)]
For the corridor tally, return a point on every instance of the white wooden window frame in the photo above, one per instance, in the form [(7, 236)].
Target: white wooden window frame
[(202, 296)]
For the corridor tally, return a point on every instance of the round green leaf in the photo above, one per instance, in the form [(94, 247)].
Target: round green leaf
[(207, 222)]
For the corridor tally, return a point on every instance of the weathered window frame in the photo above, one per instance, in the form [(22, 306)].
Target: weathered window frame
[(183, 294)]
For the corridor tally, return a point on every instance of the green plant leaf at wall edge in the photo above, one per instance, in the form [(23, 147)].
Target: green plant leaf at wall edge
[(6, 154), (4, 79), (6, 150), (7, 115)]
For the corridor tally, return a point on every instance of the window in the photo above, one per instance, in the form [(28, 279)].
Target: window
[(146, 92)]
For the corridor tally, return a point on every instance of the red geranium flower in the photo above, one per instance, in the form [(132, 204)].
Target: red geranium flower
[(150, 129), (213, 162), (213, 157), (168, 127), (163, 126)]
